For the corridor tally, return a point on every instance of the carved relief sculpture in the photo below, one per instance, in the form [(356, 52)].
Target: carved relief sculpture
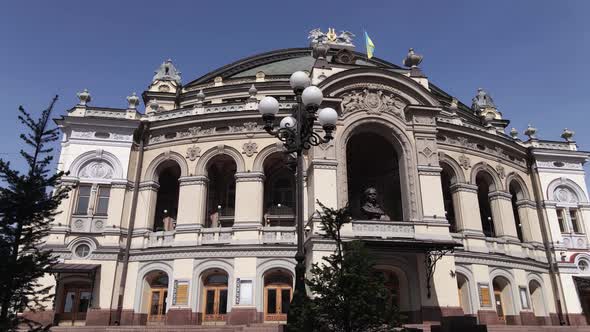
[(372, 101)]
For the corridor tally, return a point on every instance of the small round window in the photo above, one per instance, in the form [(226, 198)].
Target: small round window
[(583, 265), (82, 250)]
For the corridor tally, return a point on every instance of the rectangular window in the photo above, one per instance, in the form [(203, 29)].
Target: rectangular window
[(83, 199), (246, 292), (574, 220), (561, 220), (102, 205)]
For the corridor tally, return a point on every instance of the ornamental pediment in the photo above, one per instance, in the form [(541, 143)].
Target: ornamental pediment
[(373, 99)]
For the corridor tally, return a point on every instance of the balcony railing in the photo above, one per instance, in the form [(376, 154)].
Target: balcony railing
[(219, 235), (382, 229), (278, 235)]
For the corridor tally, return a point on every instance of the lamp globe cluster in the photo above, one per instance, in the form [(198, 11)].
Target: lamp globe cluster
[(311, 97)]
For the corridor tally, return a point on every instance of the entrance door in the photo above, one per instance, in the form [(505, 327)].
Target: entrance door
[(215, 303), (499, 305), (277, 299), (75, 304), (157, 311)]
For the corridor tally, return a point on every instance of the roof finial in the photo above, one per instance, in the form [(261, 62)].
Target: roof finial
[(200, 96), (514, 133), (132, 101), (531, 132), (84, 97), (568, 135), (252, 92), (412, 60)]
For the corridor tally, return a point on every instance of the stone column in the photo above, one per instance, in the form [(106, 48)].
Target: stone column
[(179, 313), (249, 200), (146, 209), (466, 208), (529, 219), (502, 215), (192, 203)]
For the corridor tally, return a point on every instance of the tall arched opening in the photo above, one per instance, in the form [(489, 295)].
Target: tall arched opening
[(155, 296), (484, 182), (278, 290), (447, 178), (464, 294), (167, 200), (373, 162), (279, 191), (221, 191), (214, 296), (537, 300), (503, 298), (516, 194)]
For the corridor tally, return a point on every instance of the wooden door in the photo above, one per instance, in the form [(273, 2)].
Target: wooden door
[(276, 302), (215, 303), (75, 304), (157, 311), (499, 305)]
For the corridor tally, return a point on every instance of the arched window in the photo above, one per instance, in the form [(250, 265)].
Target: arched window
[(484, 182), (391, 283), (155, 299), (278, 290), (516, 193), (279, 191), (537, 300), (372, 161), (221, 192), (446, 177), (503, 297), (167, 200), (463, 292), (215, 296)]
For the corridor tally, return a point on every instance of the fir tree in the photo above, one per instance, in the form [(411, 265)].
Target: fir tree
[(28, 204), (349, 296)]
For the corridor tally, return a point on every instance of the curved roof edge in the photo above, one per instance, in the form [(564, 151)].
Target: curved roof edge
[(274, 56)]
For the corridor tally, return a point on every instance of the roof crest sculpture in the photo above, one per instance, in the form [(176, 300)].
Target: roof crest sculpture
[(167, 72)]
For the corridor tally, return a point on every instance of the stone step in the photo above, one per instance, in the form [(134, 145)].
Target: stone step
[(170, 328)]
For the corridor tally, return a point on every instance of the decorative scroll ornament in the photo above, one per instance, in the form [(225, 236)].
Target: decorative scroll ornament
[(250, 148), (193, 152), (97, 170), (372, 101)]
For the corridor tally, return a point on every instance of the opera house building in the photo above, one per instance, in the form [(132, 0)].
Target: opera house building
[(183, 210)]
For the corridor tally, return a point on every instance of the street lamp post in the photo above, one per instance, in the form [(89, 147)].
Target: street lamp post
[(297, 134)]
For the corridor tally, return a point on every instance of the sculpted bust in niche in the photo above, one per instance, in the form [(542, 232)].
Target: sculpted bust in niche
[(371, 209)]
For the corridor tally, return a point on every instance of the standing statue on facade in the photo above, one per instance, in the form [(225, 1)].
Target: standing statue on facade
[(371, 209)]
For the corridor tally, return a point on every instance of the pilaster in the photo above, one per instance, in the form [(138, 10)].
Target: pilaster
[(503, 216), (192, 202)]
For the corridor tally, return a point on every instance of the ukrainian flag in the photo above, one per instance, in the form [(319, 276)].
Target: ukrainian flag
[(370, 46)]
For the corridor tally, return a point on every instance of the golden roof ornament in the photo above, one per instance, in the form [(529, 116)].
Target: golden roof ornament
[(331, 35), (331, 38)]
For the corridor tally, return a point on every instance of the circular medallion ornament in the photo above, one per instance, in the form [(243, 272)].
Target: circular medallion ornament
[(78, 224), (99, 224), (563, 195)]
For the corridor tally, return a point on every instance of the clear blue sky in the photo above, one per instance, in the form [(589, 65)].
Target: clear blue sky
[(533, 56)]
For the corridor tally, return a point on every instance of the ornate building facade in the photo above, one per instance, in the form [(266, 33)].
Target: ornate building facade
[(184, 213)]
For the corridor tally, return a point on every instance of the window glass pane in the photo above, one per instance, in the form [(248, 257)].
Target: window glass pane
[(560, 220), (84, 302), (285, 300), (574, 219), (155, 303), (104, 191), (103, 205), (271, 305), (69, 301), (83, 199), (210, 302), (223, 301)]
